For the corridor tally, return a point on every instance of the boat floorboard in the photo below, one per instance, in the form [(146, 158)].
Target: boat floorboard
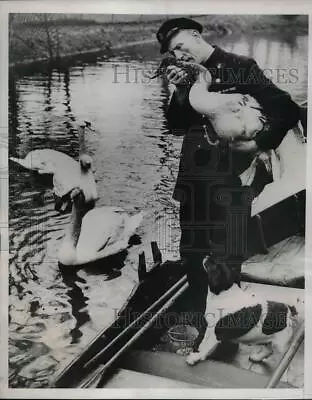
[(124, 378), (294, 375), (284, 259), (209, 374)]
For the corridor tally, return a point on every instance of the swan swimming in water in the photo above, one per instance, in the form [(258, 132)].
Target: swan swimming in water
[(48, 161), (44, 161), (97, 233), (64, 169), (64, 180)]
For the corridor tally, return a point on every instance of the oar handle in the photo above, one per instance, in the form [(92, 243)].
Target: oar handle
[(287, 357)]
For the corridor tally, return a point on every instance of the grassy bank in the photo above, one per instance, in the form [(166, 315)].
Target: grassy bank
[(47, 36)]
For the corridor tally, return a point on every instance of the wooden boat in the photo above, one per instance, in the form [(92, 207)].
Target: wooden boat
[(123, 356)]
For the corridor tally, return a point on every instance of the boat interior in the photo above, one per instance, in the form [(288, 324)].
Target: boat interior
[(154, 361)]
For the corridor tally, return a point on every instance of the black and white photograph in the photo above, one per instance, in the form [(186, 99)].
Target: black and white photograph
[(156, 213)]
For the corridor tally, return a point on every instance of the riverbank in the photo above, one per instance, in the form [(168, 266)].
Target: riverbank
[(41, 41)]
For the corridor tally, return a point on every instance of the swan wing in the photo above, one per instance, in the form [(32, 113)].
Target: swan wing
[(132, 224), (58, 161), (100, 227), (35, 162), (21, 162), (45, 161), (119, 228), (65, 179)]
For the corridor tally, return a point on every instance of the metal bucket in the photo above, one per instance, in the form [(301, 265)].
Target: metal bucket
[(182, 336)]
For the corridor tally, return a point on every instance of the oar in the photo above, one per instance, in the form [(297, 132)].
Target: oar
[(96, 378), (287, 357), (136, 321)]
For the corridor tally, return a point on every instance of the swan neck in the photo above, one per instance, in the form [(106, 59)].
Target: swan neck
[(82, 143), (202, 101), (74, 227)]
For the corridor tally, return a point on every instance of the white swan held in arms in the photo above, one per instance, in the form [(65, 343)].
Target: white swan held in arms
[(230, 119), (233, 116), (98, 233)]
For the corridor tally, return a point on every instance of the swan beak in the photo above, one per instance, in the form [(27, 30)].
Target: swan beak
[(62, 204), (65, 206), (88, 125), (85, 164)]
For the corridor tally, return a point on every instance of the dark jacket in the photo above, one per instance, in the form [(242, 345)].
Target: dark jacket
[(231, 73)]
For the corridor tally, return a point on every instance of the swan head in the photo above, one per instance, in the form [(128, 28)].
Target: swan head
[(85, 126), (85, 162)]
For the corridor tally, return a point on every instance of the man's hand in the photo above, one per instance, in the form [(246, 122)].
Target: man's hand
[(244, 146), (176, 75)]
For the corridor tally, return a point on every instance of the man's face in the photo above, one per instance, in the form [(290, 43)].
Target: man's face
[(186, 46)]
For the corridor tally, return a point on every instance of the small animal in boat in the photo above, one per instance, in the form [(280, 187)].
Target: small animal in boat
[(94, 233), (233, 315)]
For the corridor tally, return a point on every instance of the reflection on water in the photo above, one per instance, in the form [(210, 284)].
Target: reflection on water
[(284, 61), (54, 313), (77, 300)]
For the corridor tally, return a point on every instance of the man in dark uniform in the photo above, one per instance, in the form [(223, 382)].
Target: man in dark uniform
[(214, 206)]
